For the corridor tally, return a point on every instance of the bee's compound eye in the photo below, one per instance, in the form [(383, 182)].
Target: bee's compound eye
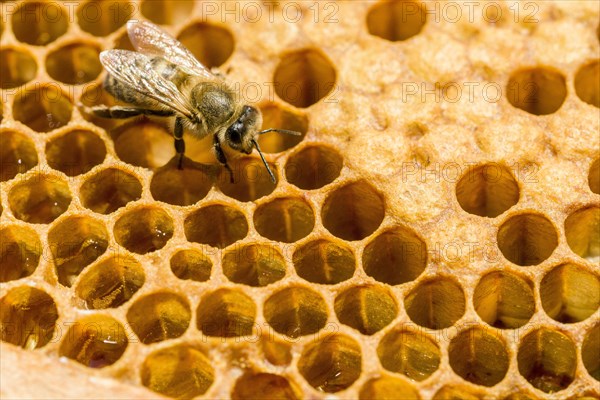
[(234, 133)]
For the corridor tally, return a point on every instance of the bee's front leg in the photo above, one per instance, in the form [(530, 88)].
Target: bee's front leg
[(179, 143), (221, 156)]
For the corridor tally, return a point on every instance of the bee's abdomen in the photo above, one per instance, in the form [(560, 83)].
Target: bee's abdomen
[(125, 93), (169, 71)]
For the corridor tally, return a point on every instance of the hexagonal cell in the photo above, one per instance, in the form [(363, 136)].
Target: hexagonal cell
[(191, 264), (263, 385), (180, 187), (226, 313), (74, 63), (27, 317), (211, 44), (144, 229), (95, 341), (275, 116), (313, 167), (254, 264), (388, 387), (123, 42), (395, 257), (39, 199), (39, 22), (111, 282), (478, 357), (276, 352), (42, 107), (285, 219), (296, 311), (527, 239), (411, 353), (538, 90), (366, 308), (586, 83), (325, 262), (570, 293), (487, 190), (251, 179), (179, 371), (17, 67), (582, 229), (331, 364), (20, 251), (217, 225), (75, 152), (75, 242), (108, 190), (17, 154), (159, 316), (144, 143), (594, 177), (396, 20), (435, 303), (504, 300), (165, 12), (102, 17), (590, 350), (547, 359), (459, 392), (353, 211), (303, 77)]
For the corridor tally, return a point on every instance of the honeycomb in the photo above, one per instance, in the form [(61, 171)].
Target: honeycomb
[(434, 233)]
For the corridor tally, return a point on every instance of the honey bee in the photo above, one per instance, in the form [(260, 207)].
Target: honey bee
[(163, 78)]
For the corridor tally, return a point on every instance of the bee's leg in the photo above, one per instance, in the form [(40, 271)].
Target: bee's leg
[(221, 156), (179, 143), (121, 112)]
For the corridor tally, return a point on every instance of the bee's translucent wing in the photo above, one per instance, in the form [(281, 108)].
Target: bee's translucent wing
[(135, 70), (149, 39)]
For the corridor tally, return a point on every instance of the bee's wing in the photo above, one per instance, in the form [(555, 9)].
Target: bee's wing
[(149, 39), (135, 70)]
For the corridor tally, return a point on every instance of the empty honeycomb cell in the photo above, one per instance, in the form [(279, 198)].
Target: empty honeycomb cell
[(39, 199), (590, 350), (251, 179), (411, 353), (17, 154), (504, 300), (325, 262), (527, 239), (20, 251), (395, 257), (159, 316), (313, 167), (547, 359), (303, 77), (275, 352), (478, 356), (332, 363), (435, 303), (353, 211), (95, 341), (275, 116), (586, 83), (166, 12), (123, 42), (144, 143), (254, 264), (74, 63), (538, 90), (366, 308), (17, 67), (180, 187), (594, 177), (296, 311), (388, 388), (396, 20), (144, 229), (570, 293), (263, 385), (217, 225), (487, 190), (42, 107), (458, 392), (179, 371), (211, 44), (75, 242), (582, 229), (108, 190), (39, 22), (27, 317), (285, 219), (191, 264), (75, 152), (102, 17), (110, 282), (226, 313)]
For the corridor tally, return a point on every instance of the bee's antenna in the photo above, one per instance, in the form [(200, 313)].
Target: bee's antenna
[(280, 131), (255, 143)]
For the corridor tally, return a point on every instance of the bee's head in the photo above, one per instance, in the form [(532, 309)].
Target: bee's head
[(242, 133)]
